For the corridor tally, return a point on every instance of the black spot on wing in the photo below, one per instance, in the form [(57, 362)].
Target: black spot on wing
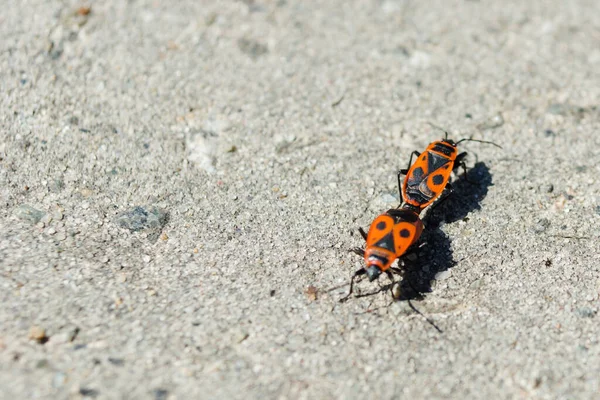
[(438, 179), (415, 178), (381, 225), (405, 233), (417, 173)]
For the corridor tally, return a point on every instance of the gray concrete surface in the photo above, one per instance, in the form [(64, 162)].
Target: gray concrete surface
[(256, 136)]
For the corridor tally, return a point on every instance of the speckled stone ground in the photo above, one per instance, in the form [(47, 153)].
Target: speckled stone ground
[(180, 183)]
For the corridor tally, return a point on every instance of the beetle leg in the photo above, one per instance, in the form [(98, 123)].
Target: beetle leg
[(362, 233), (360, 272), (400, 173), (391, 276), (459, 158), (357, 250), (414, 153), (405, 171), (459, 162), (397, 270)]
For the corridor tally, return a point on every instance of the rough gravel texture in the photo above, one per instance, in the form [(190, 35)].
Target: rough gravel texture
[(257, 136)]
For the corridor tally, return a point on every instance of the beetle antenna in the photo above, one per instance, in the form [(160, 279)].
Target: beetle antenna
[(426, 319), (476, 140), (440, 128)]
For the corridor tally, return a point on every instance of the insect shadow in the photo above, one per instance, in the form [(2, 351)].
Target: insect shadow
[(435, 255)]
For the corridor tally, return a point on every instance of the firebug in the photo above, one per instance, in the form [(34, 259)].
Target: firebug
[(429, 176), (390, 236)]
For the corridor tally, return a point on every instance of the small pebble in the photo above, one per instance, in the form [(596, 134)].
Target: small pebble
[(57, 185), (46, 219), (59, 380), (549, 188), (104, 259), (160, 394), (28, 213), (310, 292), (60, 339), (495, 122), (99, 344), (476, 284), (38, 334), (140, 218), (61, 236), (586, 312), (440, 276), (541, 225), (396, 291), (51, 231)]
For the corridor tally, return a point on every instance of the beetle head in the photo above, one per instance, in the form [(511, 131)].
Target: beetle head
[(373, 272)]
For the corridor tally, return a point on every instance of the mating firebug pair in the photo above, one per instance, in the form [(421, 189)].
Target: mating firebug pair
[(393, 233)]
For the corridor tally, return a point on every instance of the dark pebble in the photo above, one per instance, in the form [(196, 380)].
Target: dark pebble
[(57, 185), (252, 48), (586, 312), (541, 225), (88, 392), (140, 218), (160, 394), (116, 361)]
